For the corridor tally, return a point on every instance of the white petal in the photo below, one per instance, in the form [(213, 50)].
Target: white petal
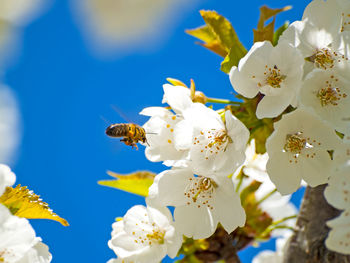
[(272, 106), (283, 173), (177, 97), (7, 178), (227, 207), (194, 222), (169, 186)]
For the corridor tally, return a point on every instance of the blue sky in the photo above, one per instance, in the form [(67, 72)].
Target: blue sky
[(63, 90)]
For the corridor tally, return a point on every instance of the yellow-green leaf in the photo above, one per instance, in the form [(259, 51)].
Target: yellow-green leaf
[(136, 183), (279, 32), (22, 202), (233, 58), (218, 34), (267, 32)]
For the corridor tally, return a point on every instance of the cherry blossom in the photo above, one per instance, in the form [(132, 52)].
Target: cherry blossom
[(17, 236), (214, 147), (275, 72), (145, 235), (328, 94), (200, 202), (298, 149)]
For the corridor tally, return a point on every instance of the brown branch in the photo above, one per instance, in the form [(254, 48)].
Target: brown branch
[(221, 247), (307, 244)]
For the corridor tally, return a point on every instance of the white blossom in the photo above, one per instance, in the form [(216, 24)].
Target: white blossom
[(7, 177), (331, 15), (214, 147), (275, 72), (328, 94), (160, 135), (37, 254), (17, 237), (338, 238), (145, 235), (319, 47), (325, 15), (200, 202), (160, 127), (298, 149)]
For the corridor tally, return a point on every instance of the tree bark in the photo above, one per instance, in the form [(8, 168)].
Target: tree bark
[(307, 244)]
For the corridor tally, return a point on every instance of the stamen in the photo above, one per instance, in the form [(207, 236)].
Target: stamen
[(330, 95), (274, 77), (200, 191), (346, 22), (295, 143)]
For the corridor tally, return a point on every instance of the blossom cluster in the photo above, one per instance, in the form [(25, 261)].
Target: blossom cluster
[(18, 242), (304, 144), (301, 85), (205, 151)]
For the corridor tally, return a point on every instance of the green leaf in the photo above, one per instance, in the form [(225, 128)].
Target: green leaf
[(263, 32), (22, 202), (135, 183), (218, 34), (279, 32)]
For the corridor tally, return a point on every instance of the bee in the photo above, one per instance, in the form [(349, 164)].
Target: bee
[(131, 133)]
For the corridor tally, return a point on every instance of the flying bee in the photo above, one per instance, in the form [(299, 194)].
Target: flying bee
[(131, 133)]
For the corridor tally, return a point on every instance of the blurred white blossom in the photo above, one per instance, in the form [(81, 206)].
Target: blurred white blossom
[(9, 125), (127, 24), (268, 256), (338, 238), (15, 14), (337, 192)]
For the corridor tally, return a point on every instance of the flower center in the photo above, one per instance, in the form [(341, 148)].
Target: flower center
[(296, 143), (274, 78), (331, 94), (346, 22), (324, 58), (150, 237), (213, 141), (156, 236), (200, 191)]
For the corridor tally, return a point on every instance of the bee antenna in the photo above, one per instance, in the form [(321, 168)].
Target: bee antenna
[(151, 133), (105, 120)]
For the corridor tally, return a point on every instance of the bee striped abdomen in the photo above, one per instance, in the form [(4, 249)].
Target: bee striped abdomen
[(118, 130)]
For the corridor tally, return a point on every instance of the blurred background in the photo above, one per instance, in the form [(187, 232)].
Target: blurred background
[(63, 64)]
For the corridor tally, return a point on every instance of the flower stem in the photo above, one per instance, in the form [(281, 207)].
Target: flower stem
[(266, 196), (222, 101)]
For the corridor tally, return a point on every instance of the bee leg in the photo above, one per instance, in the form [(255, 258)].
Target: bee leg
[(134, 145)]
